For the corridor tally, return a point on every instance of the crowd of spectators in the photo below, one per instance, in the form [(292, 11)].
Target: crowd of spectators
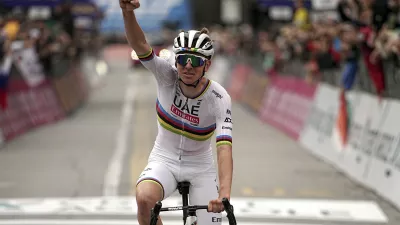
[(48, 37), (362, 35), (53, 34)]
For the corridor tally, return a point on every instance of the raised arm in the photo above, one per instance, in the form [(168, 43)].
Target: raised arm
[(162, 70), (134, 33)]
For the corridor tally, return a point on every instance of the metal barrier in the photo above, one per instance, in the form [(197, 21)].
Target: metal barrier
[(392, 78), (62, 91), (296, 67)]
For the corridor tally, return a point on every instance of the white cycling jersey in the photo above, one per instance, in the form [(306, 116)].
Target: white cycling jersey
[(186, 125), (182, 150)]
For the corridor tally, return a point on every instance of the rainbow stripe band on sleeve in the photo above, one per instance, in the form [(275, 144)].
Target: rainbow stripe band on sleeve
[(148, 56), (224, 140)]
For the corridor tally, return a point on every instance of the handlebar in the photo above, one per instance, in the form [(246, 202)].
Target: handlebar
[(155, 212)]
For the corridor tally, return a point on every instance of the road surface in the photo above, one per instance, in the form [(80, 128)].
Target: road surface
[(82, 170)]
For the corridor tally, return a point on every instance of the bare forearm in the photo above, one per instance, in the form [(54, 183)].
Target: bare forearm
[(225, 169), (134, 33)]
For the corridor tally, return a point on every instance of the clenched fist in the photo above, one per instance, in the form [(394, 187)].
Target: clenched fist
[(215, 206), (129, 5)]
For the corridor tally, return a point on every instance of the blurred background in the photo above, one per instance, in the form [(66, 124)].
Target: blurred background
[(315, 91)]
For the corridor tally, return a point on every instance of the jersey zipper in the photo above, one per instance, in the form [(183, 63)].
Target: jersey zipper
[(182, 144), (183, 128)]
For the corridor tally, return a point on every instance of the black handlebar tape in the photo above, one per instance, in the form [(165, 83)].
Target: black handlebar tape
[(157, 208), (229, 211), (153, 220), (227, 205), (155, 212)]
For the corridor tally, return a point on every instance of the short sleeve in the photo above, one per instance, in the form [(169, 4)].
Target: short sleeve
[(163, 71), (224, 121)]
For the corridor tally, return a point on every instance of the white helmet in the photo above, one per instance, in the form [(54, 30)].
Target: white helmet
[(194, 41)]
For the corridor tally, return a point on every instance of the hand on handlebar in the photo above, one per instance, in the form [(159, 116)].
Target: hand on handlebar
[(216, 205), (129, 5)]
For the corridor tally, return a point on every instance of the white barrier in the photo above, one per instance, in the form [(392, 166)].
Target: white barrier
[(364, 124), (317, 133), (372, 153), (384, 171)]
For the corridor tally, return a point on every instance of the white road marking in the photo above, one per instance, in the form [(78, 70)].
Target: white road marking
[(113, 175), (262, 208)]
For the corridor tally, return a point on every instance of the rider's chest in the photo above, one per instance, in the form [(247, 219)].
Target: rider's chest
[(191, 111)]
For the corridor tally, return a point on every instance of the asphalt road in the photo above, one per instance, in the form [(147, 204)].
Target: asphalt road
[(62, 173)]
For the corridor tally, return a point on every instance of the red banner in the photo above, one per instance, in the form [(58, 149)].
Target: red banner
[(287, 103), (28, 107)]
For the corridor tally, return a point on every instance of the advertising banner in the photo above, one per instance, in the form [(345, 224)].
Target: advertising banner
[(363, 137), (317, 132), (384, 171), (286, 104), (371, 155), (28, 107), (333, 116), (354, 131)]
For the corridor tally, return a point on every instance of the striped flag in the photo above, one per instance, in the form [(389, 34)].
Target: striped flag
[(341, 129)]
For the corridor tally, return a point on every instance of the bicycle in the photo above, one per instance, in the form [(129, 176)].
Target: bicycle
[(189, 211)]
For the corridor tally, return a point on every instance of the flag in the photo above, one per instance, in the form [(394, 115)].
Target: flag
[(5, 68), (341, 129)]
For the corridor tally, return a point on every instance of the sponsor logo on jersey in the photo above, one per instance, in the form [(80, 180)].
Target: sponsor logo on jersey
[(218, 95), (216, 220), (183, 110), (226, 128), (228, 120), (186, 116), (170, 121), (184, 107)]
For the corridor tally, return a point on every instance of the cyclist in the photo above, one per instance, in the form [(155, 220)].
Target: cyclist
[(190, 109)]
